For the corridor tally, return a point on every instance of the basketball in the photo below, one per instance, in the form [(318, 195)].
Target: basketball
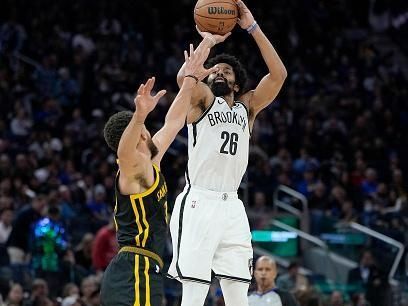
[(216, 17)]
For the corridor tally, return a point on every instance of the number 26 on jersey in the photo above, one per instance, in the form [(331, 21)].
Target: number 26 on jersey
[(230, 143)]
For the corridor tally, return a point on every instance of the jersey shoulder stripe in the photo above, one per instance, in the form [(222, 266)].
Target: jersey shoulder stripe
[(205, 112)]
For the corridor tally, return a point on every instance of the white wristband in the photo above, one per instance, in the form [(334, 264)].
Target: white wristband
[(252, 27), (213, 41)]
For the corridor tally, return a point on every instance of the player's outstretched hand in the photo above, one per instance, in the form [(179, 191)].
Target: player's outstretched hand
[(246, 18), (215, 38), (195, 62), (144, 101)]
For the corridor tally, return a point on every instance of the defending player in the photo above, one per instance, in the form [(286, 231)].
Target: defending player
[(133, 277)]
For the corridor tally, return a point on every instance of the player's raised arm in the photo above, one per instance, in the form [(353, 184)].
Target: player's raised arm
[(176, 116), (128, 156), (268, 88)]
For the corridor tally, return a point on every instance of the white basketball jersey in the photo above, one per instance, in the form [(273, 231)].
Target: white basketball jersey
[(218, 147)]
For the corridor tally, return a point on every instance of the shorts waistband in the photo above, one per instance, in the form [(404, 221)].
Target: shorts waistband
[(143, 252), (213, 194)]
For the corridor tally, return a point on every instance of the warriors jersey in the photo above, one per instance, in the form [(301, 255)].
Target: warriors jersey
[(141, 219), (218, 145)]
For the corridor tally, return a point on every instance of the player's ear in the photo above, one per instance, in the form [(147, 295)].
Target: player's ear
[(236, 88)]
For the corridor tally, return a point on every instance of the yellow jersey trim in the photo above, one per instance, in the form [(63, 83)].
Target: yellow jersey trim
[(152, 188), (137, 218), (137, 278), (146, 273), (114, 213), (146, 224), (143, 252)]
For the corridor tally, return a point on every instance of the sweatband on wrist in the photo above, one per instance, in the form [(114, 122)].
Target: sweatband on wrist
[(214, 42), (252, 27), (192, 76)]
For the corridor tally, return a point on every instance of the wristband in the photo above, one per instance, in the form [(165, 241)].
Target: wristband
[(213, 41), (192, 76), (252, 27)]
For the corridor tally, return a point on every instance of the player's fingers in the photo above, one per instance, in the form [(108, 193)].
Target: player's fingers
[(139, 89), (191, 50), (240, 4), (207, 72), (153, 81), (225, 36), (186, 59), (214, 69), (160, 94), (150, 84), (198, 54), (146, 87), (142, 89)]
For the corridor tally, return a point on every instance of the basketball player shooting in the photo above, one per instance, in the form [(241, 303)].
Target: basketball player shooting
[(209, 226)]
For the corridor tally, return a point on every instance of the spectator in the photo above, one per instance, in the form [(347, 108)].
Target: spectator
[(368, 276), (308, 298), (292, 280), (348, 213), (49, 243), (369, 184), (88, 286), (95, 299), (83, 251), (39, 293), (18, 242), (260, 213), (336, 299), (71, 301), (15, 296), (359, 299), (6, 218), (98, 206), (104, 247), (70, 289)]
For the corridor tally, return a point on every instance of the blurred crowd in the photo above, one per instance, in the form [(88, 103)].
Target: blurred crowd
[(336, 132)]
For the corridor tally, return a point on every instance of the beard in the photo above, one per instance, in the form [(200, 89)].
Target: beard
[(152, 148), (220, 89)]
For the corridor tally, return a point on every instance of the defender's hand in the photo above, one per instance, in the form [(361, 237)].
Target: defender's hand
[(195, 61), (144, 101)]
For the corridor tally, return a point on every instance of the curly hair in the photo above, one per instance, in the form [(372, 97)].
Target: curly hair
[(115, 127), (239, 70)]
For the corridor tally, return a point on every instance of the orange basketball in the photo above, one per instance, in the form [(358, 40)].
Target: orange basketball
[(216, 16)]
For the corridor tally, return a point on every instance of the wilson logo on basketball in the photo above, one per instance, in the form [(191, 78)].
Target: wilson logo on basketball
[(213, 10)]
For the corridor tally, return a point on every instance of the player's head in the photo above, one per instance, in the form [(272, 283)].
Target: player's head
[(265, 272), (115, 127), (231, 76)]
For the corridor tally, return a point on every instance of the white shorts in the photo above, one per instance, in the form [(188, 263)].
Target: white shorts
[(210, 231)]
